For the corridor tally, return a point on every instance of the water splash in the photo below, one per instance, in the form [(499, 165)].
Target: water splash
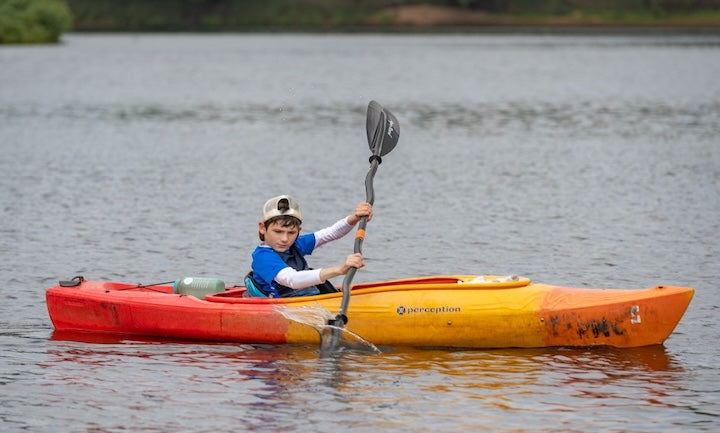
[(317, 317)]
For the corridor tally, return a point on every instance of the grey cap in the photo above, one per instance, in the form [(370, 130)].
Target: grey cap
[(281, 205)]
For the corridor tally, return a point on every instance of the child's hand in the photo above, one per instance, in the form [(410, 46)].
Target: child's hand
[(352, 261), (362, 209)]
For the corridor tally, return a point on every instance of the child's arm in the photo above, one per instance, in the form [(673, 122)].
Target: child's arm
[(344, 226), (289, 277)]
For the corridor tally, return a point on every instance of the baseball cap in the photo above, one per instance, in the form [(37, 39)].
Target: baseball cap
[(281, 205)]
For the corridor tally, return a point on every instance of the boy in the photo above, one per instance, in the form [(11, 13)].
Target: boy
[(279, 268)]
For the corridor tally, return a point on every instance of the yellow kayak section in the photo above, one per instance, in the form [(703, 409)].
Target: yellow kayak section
[(498, 312)]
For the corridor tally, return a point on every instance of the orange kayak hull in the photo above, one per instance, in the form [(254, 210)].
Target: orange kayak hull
[(437, 311)]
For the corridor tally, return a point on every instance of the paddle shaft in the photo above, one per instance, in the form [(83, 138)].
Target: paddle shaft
[(360, 234)]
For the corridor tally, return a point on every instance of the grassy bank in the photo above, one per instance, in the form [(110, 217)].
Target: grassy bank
[(38, 21), (250, 15)]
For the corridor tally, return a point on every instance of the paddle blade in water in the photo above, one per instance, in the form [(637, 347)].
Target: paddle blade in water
[(383, 129), (331, 344)]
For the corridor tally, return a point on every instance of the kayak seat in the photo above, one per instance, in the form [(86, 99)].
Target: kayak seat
[(252, 288)]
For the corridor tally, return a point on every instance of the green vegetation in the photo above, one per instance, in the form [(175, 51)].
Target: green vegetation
[(247, 15), (682, 13), (24, 21), (33, 21), (221, 15)]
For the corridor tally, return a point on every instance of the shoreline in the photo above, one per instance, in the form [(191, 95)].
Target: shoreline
[(433, 16), (402, 19), (568, 30)]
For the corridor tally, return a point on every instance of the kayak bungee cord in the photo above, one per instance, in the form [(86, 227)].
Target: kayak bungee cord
[(78, 280)]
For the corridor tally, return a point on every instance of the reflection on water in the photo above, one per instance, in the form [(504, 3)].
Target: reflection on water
[(261, 381), (649, 358)]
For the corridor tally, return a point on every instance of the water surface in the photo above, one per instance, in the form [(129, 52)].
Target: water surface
[(590, 161)]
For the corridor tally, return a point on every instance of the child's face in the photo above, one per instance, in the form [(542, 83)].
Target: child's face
[(279, 237)]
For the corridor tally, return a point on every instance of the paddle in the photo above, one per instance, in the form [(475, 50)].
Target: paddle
[(383, 132)]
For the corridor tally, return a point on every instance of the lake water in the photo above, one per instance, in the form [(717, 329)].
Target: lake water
[(589, 161)]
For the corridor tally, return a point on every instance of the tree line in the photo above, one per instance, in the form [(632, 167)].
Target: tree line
[(45, 20), (232, 15)]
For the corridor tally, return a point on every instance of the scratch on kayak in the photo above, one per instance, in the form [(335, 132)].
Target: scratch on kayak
[(115, 318), (596, 327)]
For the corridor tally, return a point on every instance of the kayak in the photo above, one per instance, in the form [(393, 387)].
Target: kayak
[(460, 311)]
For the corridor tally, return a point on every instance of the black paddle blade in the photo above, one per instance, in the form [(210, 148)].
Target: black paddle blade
[(383, 129)]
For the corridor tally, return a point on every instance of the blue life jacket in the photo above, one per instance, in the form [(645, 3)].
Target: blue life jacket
[(293, 258)]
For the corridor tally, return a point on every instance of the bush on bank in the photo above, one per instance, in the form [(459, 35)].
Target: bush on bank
[(33, 21)]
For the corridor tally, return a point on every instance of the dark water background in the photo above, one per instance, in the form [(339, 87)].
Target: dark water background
[(590, 161)]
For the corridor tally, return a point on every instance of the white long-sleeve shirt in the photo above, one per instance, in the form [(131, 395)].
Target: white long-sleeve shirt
[(300, 279)]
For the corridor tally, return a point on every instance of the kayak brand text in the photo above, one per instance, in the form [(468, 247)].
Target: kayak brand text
[(402, 310)]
